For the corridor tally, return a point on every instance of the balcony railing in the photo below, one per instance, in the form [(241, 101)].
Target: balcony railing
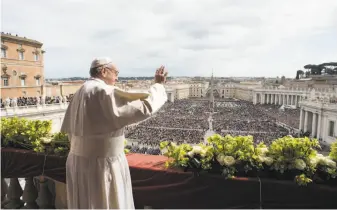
[(157, 187), (32, 109)]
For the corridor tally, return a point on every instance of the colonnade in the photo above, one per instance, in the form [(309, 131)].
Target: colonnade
[(277, 98), (311, 121)]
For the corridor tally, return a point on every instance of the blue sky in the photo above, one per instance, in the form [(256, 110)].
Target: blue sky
[(190, 37)]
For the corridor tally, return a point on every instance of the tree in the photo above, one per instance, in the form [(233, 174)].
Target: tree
[(329, 68), (307, 74), (314, 69), (299, 73)]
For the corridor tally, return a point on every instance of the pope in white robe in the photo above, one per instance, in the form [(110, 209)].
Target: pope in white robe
[(97, 170)]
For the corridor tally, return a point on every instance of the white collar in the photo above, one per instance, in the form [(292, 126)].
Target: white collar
[(98, 80)]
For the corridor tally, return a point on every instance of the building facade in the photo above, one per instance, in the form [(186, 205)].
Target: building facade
[(289, 96), (22, 66), (320, 119)]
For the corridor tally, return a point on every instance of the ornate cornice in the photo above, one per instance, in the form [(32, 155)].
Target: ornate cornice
[(38, 76), (20, 49), (20, 40), (5, 76), (23, 76), (3, 46), (36, 52), (4, 70)]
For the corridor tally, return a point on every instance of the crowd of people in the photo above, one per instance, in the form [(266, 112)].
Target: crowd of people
[(187, 120), (290, 117), (32, 101), (143, 149)]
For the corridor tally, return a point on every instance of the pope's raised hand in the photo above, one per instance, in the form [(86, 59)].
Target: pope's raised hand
[(161, 74)]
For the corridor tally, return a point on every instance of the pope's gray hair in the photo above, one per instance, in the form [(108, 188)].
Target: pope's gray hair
[(95, 72)]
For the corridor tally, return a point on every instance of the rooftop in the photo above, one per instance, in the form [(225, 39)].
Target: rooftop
[(16, 38)]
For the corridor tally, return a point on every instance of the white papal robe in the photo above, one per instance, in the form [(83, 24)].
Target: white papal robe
[(98, 175)]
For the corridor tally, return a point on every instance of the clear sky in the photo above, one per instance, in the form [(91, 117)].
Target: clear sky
[(190, 37)]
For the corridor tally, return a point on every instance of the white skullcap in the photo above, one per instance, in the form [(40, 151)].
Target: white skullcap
[(97, 62)]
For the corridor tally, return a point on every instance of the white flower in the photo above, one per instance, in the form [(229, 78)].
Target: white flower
[(322, 160), (46, 140), (260, 158), (314, 161), (328, 162), (203, 153), (220, 159), (263, 150), (268, 160), (229, 160), (190, 153), (165, 150), (173, 144), (299, 164), (197, 149)]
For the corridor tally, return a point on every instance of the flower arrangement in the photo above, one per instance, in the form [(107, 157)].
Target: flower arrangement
[(34, 135), (236, 154), (197, 157), (231, 156)]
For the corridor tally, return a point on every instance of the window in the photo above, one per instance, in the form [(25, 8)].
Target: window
[(3, 53), (331, 128), (37, 81), (36, 57), (21, 57), (23, 82), (5, 81)]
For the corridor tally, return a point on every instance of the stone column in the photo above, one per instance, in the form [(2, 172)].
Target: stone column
[(301, 120), (319, 126), (313, 129), (284, 99), (305, 129), (295, 100)]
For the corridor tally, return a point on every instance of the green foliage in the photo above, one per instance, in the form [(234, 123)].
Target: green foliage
[(236, 151), (292, 153), (232, 154), (333, 151), (33, 135), (302, 180), (23, 133), (126, 151)]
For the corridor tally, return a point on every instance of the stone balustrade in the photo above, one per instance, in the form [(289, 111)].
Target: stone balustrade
[(23, 111), (38, 192)]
